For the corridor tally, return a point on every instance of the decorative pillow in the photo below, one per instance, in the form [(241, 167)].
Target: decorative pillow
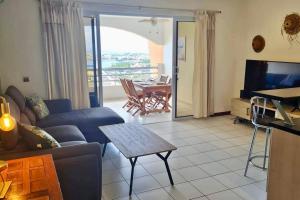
[(38, 106), (36, 138)]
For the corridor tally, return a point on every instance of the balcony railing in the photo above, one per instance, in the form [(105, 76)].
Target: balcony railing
[(111, 76)]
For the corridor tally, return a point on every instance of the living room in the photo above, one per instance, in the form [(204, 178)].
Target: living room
[(211, 153)]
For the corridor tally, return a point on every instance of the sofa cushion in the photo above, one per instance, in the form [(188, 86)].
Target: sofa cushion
[(72, 143), (87, 120), (38, 106), (65, 133), (17, 96), (36, 138), (30, 115)]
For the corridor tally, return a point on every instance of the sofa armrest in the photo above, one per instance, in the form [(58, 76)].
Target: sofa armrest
[(80, 177), (79, 169), (59, 105)]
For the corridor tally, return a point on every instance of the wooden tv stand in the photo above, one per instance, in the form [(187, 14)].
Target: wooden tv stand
[(241, 108)]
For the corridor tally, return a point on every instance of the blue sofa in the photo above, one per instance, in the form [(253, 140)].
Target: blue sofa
[(78, 161), (61, 113)]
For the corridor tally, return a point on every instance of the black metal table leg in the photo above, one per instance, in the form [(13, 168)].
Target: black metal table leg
[(165, 159), (104, 148), (132, 162)]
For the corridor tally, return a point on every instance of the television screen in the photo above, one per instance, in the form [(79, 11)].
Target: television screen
[(265, 75)]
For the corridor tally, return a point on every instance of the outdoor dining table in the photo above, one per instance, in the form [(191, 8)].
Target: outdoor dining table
[(154, 87)]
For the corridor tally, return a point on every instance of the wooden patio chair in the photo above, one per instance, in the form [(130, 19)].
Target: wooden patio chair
[(160, 97), (135, 97), (125, 87), (163, 78)]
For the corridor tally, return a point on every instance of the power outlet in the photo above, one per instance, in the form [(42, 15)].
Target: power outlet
[(26, 79)]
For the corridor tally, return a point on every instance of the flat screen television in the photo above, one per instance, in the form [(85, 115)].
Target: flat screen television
[(266, 75)]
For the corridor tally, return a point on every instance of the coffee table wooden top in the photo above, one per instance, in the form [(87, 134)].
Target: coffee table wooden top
[(134, 140), (32, 178)]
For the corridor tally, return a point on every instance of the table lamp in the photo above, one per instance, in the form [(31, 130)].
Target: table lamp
[(4, 185), (8, 127)]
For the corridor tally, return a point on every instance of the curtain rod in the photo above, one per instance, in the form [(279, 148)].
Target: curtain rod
[(149, 7)]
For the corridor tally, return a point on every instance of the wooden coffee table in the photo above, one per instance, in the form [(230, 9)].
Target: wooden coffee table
[(134, 140)]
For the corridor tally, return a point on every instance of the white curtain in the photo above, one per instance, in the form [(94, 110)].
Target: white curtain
[(203, 79), (64, 42)]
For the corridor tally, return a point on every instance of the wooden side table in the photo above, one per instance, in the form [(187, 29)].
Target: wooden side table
[(33, 178)]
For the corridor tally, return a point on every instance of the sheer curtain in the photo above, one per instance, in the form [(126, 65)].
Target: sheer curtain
[(203, 80), (64, 42)]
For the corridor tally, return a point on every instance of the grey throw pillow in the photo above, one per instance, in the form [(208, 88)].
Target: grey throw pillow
[(38, 106), (36, 138)]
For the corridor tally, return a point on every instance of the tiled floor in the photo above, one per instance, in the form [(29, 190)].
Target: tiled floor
[(117, 104), (208, 164)]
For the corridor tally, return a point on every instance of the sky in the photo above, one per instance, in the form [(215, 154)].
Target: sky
[(116, 40)]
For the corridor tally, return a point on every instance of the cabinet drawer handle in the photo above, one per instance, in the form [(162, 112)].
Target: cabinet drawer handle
[(247, 112)]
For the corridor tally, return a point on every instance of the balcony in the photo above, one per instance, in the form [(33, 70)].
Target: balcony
[(111, 76)]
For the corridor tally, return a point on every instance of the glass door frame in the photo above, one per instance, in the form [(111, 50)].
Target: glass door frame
[(97, 61), (175, 71), (176, 19)]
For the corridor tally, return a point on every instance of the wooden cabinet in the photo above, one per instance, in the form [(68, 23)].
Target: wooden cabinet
[(241, 108), (283, 173)]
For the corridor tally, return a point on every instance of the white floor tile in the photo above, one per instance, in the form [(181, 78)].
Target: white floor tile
[(177, 163), (115, 190), (145, 183), (233, 180), (208, 186), (204, 147), (163, 178), (233, 164), (214, 168), (250, 192), (183, 191), (155, 194), (111, 176), (139, 171), (155, 167), (192, 173), (225, 195), (199, 159), (218, 155)]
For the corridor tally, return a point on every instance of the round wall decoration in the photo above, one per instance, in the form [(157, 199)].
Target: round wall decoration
[(258, 43), (291, 26)]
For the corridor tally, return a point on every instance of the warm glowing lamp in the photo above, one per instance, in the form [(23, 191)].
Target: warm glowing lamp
[(8, 127), (9, 139)]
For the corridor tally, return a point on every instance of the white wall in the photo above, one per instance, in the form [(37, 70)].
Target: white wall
[(186, 67), (20, 46), (168, 47), (265, 18), (132, 24)]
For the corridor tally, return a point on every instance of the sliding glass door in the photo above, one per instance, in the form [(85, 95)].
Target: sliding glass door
[(92, 49), (183, 59)]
